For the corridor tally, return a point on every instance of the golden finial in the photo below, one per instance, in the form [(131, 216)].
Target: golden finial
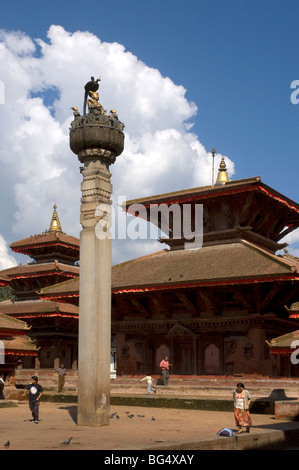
[(222, 177), (55, 225)]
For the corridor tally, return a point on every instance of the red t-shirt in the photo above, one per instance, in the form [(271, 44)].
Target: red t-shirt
[(164, 364)]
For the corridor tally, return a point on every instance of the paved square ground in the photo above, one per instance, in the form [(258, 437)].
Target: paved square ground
[(168, 428)]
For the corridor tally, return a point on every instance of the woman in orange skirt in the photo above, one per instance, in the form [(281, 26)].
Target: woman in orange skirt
[(241, 405)]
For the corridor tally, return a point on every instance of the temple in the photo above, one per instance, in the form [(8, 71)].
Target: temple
[(53, 325), (227, 306), (213, 308)]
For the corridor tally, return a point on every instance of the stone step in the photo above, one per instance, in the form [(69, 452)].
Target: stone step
[(216, 386), (208, 403), (205, 392)]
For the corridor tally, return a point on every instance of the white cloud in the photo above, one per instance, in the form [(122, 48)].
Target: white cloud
[(292, 237), (43, 80), (17, 42), (6, 260)]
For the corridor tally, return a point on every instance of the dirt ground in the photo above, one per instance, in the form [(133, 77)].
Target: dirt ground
[(169, 426)]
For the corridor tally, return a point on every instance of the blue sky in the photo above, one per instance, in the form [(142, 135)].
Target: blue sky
[(235, 59)]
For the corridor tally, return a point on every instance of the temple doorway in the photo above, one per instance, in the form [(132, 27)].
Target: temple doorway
[(161, 352), (212, 362), (184, 358)]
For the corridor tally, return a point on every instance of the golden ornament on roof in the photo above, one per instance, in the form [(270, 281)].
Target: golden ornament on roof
[(55, 225)]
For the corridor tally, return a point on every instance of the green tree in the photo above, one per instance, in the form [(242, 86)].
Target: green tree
[(6, 293)]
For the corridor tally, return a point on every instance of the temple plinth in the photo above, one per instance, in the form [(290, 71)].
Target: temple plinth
[(97, 139)]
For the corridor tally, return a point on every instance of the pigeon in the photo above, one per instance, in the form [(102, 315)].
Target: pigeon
[(113, 414), (7, 444), (66, 442), (153, 418), (117, 416), (130, 416), (140, 416)]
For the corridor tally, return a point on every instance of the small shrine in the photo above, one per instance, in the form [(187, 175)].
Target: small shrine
[(53, 325)]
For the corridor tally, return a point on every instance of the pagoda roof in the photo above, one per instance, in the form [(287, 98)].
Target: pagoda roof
[(4, 281), (13, 336), (45, 239), (38, 308), (226, 264), (20, 346), (263, 215), (38, 269), (231, 263), (8, 324), (204, 192), (61, 290), (54, 236), (281, 345)]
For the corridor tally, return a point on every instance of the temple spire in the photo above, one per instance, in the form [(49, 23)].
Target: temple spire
[(222, 177), (55, 225), (213, 156)]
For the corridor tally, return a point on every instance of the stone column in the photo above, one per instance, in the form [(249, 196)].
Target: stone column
[(95, 301), (97, 139)]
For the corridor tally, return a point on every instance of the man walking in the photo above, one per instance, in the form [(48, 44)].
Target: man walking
[(61, 377), (164, 366), (35, 392)]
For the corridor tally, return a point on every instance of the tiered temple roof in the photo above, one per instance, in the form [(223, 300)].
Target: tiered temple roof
[(39, 308), (51, 245), (16, 342), (4, 281), (240, 236), (54, 256), (241, 209), (27, 279)]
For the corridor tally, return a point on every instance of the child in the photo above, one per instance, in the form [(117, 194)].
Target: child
[(35, 392), (149, 380)]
